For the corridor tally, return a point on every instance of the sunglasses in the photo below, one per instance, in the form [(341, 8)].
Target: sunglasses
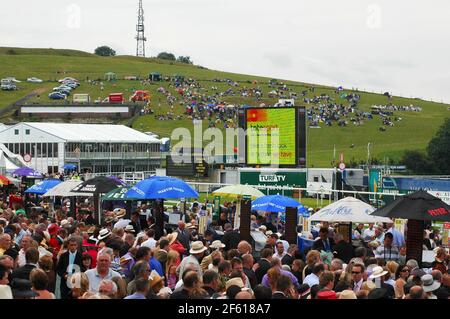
[(404, 270), (355, 273)]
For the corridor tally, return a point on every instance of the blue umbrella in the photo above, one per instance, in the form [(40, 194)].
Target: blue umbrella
[(28, 172), (43, 186), (69, 166), (275, 203), (158, 187)]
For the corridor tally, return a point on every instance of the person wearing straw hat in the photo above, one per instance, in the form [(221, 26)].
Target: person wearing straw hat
[(103, 234), (175, 244), (429, 286), (197, 252), (378, 274)]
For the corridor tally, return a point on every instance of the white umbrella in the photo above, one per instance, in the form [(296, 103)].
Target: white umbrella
[(238, 191), (122, 223), (64, 189), (348, 209)]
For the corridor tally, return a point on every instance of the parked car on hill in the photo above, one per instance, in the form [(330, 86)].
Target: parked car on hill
[(57, 96), (34, 80), (7, 85)]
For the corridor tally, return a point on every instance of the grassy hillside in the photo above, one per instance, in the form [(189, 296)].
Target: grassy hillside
[(413, 132)]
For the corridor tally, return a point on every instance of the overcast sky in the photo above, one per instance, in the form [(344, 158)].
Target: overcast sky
[(401, 46)]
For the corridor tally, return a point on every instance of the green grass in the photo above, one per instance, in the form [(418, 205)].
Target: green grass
[(412, 133)]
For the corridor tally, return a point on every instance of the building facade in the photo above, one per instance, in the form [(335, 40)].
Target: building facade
[(96, 148)]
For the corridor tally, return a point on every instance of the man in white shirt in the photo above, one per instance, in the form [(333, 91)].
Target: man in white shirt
[(280, 252), (102, 271), (25, 244), (369, 233), (313, 278), (150, 242)]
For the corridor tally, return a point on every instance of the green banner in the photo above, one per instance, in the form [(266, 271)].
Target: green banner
[(216, 207), (294, 178)]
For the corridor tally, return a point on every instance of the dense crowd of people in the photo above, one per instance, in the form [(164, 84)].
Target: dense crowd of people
[(46, 253)]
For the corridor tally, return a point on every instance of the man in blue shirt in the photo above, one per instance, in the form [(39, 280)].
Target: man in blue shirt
[(142, 287), (399, 238)]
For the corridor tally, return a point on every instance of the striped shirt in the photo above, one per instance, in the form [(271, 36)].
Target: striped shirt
[(387, 253)]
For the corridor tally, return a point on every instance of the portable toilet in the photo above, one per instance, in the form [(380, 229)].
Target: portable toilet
[(110, 76), (155, 77)]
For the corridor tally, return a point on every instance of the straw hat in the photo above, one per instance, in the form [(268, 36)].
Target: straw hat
[(217, 244), (197, 247), (129, 228), (172, 237), (262, 228), (429, 284), (103, 233), (64, 222), (378, 272), (234, 282), (190, 226), (347, 294), (154, 278), (120, 212)]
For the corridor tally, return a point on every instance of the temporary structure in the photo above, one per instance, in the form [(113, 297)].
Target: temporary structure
[(110, 76), (348, 210), (64, 189), (238, 190)]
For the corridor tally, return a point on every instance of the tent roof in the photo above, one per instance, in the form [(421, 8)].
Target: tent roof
[(348, 209), (93, 132), (64, 189)]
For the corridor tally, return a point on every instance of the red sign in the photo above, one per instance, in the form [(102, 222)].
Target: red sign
[(438, 212), (27, 158), (446, 225)]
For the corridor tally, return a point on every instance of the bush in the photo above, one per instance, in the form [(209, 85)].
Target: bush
[(166, 56), (105, 51)]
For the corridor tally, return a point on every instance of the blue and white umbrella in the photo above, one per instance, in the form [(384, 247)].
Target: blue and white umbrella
[(43, 186), (348, 209), (157, 187), (275, 203), (69, 166)]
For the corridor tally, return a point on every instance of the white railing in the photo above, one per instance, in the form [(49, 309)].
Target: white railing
[(112, 155)]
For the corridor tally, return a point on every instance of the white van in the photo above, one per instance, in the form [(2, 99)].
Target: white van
[(81, 98)]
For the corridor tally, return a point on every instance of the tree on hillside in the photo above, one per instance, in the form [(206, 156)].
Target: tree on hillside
[(166, 56), (105, 51), (185, 59), (418, 162), (439, 148)]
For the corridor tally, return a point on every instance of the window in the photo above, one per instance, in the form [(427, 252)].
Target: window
[(27, 132), (39, 150), (316, 178), (16, 132)]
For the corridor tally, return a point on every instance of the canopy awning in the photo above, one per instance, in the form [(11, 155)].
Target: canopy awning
[(64, 189)]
